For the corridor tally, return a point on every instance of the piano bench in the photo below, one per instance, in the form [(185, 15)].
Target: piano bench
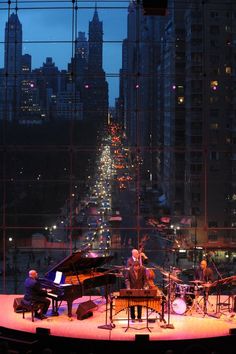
[(29, 307)]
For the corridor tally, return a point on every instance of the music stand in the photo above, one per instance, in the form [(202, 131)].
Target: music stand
[(147, 302), (227, 302), (168, 324)]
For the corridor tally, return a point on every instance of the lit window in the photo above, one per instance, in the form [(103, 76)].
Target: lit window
[(228, 70), (180, 100), (214, 126), (214, 85)]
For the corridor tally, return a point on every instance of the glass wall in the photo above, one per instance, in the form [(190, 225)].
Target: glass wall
[(117, 132)]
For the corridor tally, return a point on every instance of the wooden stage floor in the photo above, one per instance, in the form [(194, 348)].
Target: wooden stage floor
[(208, 332)]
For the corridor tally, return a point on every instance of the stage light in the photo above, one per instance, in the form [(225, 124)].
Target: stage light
[(42, 331), (141, 338)]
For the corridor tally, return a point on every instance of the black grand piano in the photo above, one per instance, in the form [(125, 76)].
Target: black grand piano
[(74, 275)]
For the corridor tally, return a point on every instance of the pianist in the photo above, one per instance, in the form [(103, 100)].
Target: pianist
[(136, 278), (34, 293)]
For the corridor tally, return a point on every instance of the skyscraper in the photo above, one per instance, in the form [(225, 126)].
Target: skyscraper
[(12, 66), (95, 44), (94, 89)]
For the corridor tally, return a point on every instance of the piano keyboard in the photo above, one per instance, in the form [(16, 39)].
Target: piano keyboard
[(52, 295)]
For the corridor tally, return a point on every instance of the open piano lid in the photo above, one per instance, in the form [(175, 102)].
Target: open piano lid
[(79, 261)]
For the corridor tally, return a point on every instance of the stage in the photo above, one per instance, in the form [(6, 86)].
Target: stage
[(177, 332)]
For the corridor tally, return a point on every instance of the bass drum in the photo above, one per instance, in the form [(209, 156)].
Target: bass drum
[(179, 306)]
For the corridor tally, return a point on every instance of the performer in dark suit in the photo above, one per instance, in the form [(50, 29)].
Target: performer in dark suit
[(35, 293), (204, 273), (136, 279)]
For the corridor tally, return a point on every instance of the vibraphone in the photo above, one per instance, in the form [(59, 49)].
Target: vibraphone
[(124, 302)]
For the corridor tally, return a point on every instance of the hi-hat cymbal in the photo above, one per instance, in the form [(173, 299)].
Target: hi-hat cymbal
[(196, 281), (164, 272)]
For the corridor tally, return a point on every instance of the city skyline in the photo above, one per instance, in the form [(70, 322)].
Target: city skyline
[(57, 35)]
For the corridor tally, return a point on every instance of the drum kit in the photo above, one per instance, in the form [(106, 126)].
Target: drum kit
[(186, 298)]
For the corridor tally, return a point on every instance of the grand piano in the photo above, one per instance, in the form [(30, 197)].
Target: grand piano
[(74, 276)]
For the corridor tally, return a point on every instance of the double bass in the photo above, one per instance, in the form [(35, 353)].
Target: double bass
[(144, 260), (150, 278)]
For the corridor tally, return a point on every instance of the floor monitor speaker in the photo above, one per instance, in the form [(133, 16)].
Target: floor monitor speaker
[(17, 304), (85, 310), (232, 331)]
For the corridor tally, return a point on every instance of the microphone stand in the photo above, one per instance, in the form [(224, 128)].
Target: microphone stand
[(168, 324), (106, 325), (215, 267)]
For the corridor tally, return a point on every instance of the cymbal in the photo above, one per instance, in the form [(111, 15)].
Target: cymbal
[(196, 281), (164, 272), (172, 277), (176, 270), (207, 285)]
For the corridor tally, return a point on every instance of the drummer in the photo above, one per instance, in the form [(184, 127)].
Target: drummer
[(204, 273)]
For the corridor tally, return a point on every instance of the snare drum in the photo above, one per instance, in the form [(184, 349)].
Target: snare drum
[(182, 289), (190, 290)]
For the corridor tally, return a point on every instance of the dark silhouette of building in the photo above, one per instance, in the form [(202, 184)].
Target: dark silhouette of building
[(94, 88), (12, 67)]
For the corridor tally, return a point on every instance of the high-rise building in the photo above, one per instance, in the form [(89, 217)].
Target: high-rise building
[(196, 113), (81, 46), (210, 188), (172, 124), (95, 43), (140, 56), (178, 99), (30, 110), (12, 66), (94, 88)]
